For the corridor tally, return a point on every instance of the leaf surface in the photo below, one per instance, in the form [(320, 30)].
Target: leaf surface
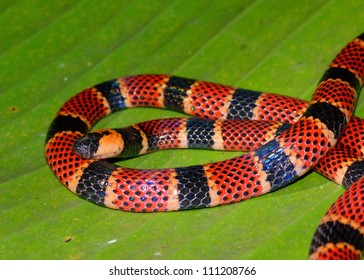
[(50, 51)]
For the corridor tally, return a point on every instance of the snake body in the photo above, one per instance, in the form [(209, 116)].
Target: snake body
[(292, 150)]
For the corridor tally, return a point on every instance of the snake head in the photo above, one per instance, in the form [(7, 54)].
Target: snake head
[(99, 144)]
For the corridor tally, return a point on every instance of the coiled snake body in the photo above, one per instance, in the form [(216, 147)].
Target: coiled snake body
[(305, 138)]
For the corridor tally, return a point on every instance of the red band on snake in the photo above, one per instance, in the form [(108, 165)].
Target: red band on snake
[(287, 156)]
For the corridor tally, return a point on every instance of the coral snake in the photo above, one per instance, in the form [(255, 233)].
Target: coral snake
[(284, 137)]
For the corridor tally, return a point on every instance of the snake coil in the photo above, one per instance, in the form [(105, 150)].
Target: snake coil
[(308, 141)]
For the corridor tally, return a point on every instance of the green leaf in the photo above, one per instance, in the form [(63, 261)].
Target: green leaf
[(51, 50)]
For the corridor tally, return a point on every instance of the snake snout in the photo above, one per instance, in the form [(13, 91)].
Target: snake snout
[(87, 145)]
